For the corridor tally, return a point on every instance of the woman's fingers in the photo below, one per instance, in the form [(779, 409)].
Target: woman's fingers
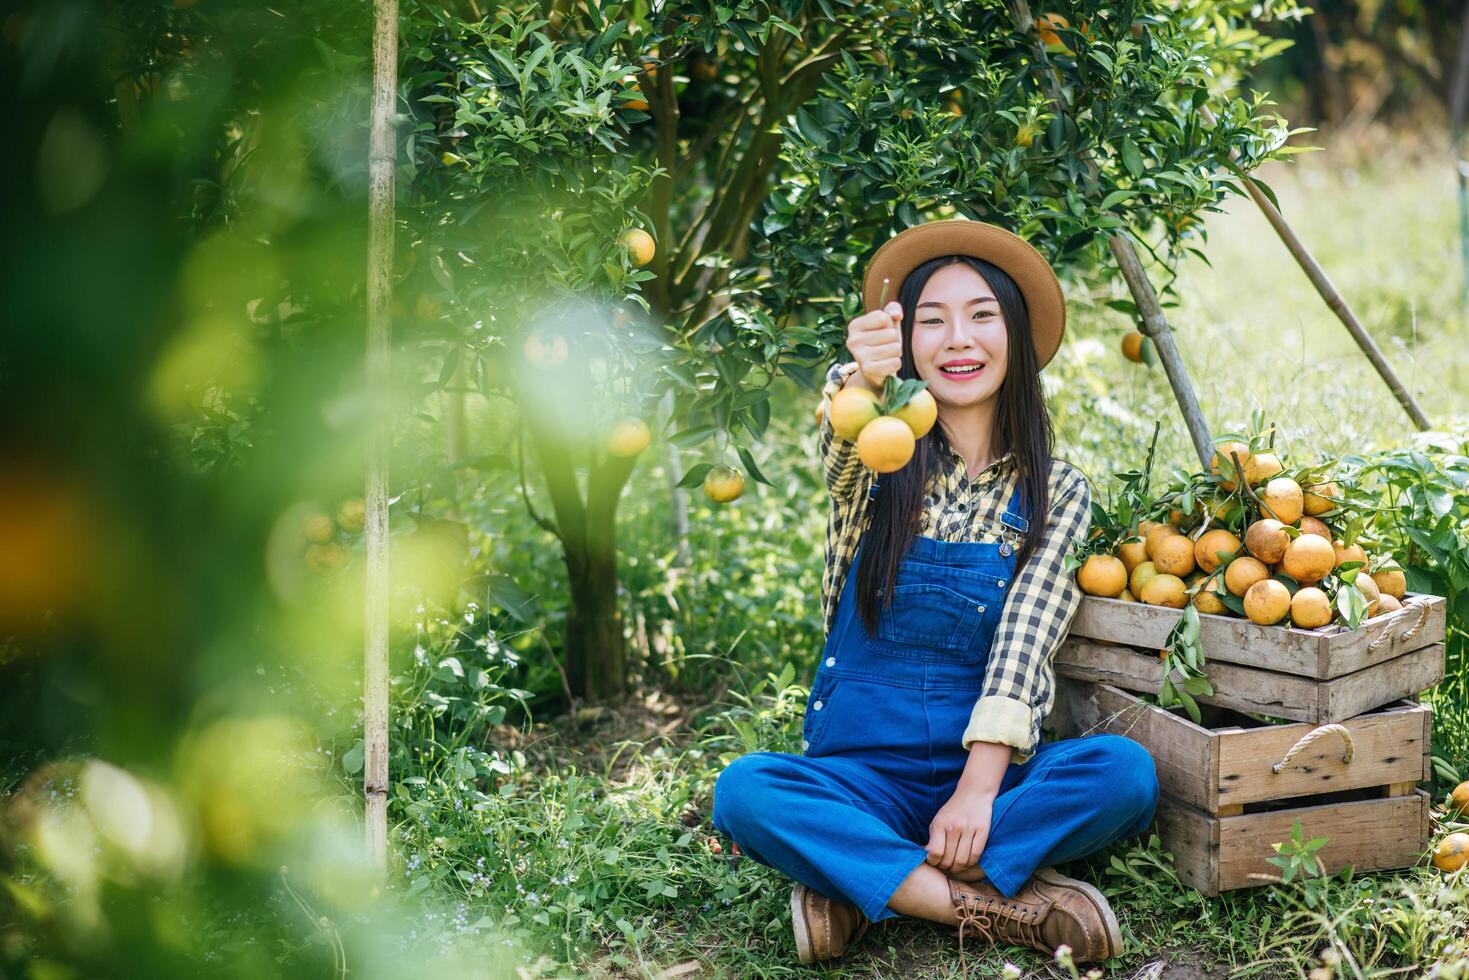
[(952, 837), (935, 845)]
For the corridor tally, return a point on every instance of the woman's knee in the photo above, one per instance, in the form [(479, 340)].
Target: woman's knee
[(1132, 774), (742, 792)]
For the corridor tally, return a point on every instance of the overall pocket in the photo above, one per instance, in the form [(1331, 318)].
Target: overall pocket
[(936, 614)]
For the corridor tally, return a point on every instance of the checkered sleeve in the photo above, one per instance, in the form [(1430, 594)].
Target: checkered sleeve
[(845, 474), (1019, 684), (849, 481)]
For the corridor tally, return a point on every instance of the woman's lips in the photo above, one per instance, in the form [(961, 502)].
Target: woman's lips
[(966, 376)]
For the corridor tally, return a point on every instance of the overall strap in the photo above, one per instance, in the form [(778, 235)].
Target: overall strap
[(1014, 516)]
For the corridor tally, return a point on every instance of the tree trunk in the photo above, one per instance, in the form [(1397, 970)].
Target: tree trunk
[(596, 656)]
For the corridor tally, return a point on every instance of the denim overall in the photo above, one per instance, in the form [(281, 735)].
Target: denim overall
[(882, 746)]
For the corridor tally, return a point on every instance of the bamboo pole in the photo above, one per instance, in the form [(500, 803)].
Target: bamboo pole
[(379, 330), (1154, 323), (1328, 291)]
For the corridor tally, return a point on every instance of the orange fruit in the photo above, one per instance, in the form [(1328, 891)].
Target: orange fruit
[(820, 413), (545, 350), (323, 559), (1140, 576), (1144, 526), (1310, 608), (920, 413), (1261, 467), (1046, 25), (1266, 540), (1459, 800), (851, 409), (1321, 498), (1102, 575), (1165, 590), (1387, 604), (724, 483), (1207, 600), (1155, 534), (1127, 596), (352, 515), (318, 527), (1267, 602), (1308, 559), (1210, 543), (1222, 464), (1174, 555), (1368, 588), (1452, 852), (1132, 346), (629, 437), (1133, 553), (1283, 497), (1025, 135), (639, 243), (1391, 583), (885, 444), (1347, 552), (1313, 525), (1243, 573)]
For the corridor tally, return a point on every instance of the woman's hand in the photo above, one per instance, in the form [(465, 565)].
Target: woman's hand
[(876, 342), (959, 831)]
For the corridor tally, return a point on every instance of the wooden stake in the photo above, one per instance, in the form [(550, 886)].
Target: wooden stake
[(1153, 323), (379, 331), (1328, 292)]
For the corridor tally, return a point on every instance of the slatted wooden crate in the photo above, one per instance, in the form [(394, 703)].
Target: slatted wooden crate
[(1257, 689), (1217, 854), (1235, 785), (1232, 760), (1331, 651)]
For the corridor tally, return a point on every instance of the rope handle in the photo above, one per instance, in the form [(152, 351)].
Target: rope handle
[(1386, 635), (1312, 736)]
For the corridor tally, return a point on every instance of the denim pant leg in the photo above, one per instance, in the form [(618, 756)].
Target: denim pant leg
[(829, 822), (1072, 798)]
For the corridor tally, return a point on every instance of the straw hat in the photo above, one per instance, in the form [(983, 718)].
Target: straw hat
[(914, 246)]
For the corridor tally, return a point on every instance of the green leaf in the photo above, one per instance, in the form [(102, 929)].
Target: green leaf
[(1131, 158), (751, 468), (695, 475), (352, 758)]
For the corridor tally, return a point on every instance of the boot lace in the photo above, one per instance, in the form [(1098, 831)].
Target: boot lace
[(994, 920)]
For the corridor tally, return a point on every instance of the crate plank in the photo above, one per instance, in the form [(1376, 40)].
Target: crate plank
[(1262, 691), (1219, 766), (1215, 854), (1322, 654)]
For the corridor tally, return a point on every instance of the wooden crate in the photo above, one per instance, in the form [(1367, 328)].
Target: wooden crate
[(1221, 853), (1232, 760), (1257, 689), (1322, 654)]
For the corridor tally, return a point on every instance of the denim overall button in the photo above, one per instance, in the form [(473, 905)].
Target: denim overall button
[(979, 608), (817, 706), (831, 661), (805, 745), (1005, 548), (1001, 583)]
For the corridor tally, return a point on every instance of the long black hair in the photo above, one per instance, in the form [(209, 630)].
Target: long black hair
[(1022, 426)]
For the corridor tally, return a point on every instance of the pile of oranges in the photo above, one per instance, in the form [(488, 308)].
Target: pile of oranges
[(1289, 564), (885, 428)]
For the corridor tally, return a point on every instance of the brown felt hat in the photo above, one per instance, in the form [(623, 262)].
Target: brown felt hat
[(914, 246)]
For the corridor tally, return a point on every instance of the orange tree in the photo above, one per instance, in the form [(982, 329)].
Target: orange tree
[(765, 147)]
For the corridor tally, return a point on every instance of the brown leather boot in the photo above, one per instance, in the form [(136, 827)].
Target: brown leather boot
[(1049, 911), (824, 927)]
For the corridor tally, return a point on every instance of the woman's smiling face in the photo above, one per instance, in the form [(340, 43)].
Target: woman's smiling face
[(960, 343)]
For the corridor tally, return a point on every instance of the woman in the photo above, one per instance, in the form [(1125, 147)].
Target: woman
[(923, 789)]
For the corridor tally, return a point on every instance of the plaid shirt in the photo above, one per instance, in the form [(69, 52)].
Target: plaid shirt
[(1019, 688)]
